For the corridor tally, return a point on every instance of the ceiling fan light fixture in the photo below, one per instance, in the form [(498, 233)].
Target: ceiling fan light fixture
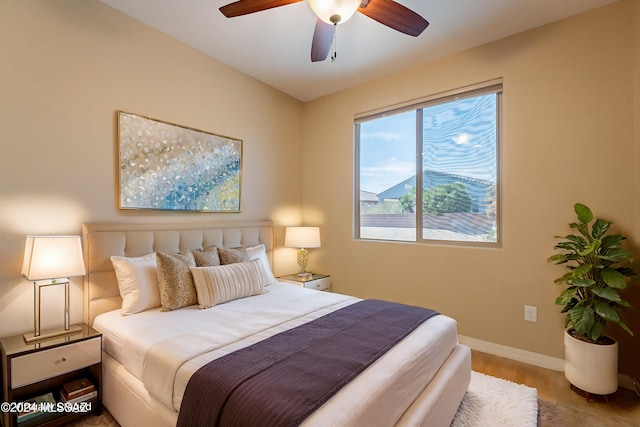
[(334, 11)]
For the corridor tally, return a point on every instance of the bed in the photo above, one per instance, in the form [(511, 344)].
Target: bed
[(150, 356)]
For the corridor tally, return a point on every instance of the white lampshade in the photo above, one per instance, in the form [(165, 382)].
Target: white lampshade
[(51, 257), (341, 10), (302, 237)]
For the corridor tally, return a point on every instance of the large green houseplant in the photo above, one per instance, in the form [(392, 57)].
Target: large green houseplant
[(598, 270)]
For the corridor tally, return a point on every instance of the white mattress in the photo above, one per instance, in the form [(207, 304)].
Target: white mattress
[(379, 396)]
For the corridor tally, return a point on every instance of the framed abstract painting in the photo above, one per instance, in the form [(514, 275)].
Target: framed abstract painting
[(163, 166)]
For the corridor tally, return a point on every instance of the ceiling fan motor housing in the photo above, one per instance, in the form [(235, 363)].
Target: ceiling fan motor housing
[(334, 11)]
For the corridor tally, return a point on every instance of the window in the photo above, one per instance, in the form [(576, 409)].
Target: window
[(444, 149)]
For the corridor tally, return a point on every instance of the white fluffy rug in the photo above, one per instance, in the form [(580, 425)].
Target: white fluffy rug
[(493, 402)]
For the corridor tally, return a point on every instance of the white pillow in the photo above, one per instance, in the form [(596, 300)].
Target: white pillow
[(138, 282), (260, 253), (223, 283)]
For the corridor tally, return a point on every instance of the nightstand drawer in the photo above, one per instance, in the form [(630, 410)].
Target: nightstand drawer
[(42, 365), (318, 284)]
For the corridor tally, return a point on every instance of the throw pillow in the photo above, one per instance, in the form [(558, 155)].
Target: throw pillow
[(175, 280), (224, 283)]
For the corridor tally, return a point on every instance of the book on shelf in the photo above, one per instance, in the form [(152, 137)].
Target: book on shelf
[(77, 388), (34, 406), (82, 398)]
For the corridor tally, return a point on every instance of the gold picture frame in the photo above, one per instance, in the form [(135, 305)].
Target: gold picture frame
[(164, 166)]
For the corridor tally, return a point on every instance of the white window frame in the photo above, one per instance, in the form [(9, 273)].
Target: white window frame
[(493, 86)]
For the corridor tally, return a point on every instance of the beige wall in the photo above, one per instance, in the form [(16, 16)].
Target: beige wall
[(66, 67), (629, 358), (568, 137)]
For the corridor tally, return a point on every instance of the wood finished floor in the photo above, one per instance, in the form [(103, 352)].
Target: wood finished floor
[(623, 408)]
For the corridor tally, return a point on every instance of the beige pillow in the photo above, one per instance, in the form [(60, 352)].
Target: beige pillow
[(207, 258), (223, 283), (175, 280), (137, 282), (231, 256)]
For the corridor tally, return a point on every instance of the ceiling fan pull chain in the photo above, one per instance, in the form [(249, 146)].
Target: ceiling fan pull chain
[(333, 49)]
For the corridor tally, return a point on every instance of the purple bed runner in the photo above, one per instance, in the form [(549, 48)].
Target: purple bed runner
[(280, 381)]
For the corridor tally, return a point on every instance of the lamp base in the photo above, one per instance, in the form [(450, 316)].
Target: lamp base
[(51, 333), (303, 260)]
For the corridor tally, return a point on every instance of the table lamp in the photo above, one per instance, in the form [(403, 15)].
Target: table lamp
[(50, 261), (302, 238)]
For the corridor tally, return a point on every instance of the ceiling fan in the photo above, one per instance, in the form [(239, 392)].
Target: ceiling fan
[(330, 13)]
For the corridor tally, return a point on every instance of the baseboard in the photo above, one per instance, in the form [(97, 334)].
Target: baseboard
[(535, 359)]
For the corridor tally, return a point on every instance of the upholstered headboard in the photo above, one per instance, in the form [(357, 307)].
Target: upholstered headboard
[(102, 240)]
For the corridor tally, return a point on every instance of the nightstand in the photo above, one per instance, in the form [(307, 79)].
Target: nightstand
[(41, 367), (318, 282)]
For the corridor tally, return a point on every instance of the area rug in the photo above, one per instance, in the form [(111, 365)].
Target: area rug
[(491, 402)]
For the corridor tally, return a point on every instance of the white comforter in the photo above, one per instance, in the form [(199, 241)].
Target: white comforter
[(163, 349)]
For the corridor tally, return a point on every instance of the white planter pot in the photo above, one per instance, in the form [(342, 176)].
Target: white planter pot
[(591, 367)]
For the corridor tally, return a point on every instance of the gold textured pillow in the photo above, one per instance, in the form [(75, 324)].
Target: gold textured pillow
[(175, 280), (231, 256), (207, 257), (216, 285)]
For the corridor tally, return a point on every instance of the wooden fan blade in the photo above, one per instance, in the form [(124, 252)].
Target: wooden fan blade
[(322, 40), (245, 7), (394, 15)]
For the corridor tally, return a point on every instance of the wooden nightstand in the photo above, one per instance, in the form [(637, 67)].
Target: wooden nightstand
[(34, 369), (318, 282)]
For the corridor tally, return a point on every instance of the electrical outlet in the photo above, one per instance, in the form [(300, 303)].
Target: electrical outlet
[(530, 313)]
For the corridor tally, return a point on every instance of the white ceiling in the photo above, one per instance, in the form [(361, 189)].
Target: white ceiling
[(274, 45)]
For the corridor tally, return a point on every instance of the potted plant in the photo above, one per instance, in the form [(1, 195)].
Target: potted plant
[(598, 269)]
